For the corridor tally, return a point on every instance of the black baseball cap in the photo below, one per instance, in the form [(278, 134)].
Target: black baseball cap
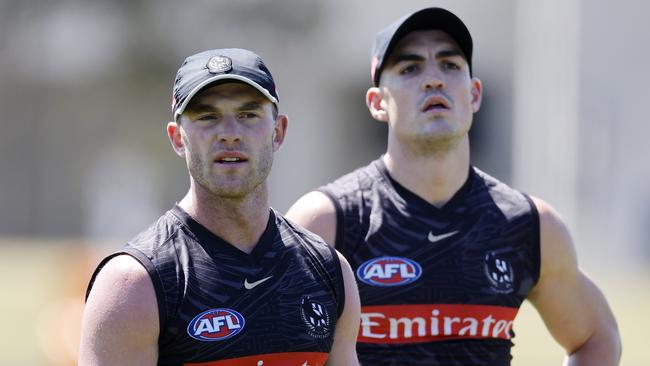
[(425, 19), (208, 67)]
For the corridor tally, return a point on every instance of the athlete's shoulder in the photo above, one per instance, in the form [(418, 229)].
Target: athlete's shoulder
[(509, 199), (359, 179), (121, 313), (302, 234), (159, 234), (489, 180)]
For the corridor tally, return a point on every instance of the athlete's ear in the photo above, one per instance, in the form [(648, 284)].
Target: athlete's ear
[(477, 94), (376, 104), (280, 131), (174, 134)]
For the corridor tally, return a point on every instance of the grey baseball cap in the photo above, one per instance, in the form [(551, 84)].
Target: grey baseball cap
[(425, 19), (207, 67)]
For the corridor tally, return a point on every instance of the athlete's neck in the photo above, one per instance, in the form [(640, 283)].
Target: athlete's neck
[(435, 177), (240, 222)]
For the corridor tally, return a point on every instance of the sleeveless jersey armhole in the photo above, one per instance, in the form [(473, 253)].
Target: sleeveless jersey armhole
[(340, 222), (339, 286), (153, 274), (536, 242), (335, 287)]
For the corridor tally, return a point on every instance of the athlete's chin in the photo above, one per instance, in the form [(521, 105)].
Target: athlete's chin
[(432, 143), (437, 133), (227, 187), (443, 132), (231, 192)]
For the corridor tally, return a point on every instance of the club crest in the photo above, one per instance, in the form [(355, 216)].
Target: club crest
[(499, 272), (316, 317), (219, 64)]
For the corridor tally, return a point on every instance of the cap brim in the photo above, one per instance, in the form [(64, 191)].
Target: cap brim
[(216, 78)]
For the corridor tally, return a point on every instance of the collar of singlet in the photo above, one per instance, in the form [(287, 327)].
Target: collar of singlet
[(412, 197), (211, 242)]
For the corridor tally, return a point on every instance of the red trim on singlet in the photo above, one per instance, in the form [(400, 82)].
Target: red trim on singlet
[(273, 359), (392, 324)]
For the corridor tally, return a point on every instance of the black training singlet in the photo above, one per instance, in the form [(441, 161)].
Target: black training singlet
[(438, 286), (218, 306)]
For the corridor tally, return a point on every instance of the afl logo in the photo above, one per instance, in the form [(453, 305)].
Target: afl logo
[(389, 271), (216, 325), (499, 273)]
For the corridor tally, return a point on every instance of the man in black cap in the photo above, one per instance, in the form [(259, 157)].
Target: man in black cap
[(445, 254), (222, 279)]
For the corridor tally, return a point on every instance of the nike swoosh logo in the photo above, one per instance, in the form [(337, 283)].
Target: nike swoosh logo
[(435, 238), (251, 285)]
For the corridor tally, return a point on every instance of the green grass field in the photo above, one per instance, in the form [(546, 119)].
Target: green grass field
[(42, 286)]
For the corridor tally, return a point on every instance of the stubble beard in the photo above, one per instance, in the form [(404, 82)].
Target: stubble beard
[(430, 143), (434, 145), (230, 187)]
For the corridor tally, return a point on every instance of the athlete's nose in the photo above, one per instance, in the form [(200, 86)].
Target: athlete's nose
[(229, 130), (432, 78)]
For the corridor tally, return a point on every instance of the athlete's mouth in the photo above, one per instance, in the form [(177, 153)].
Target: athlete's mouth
[(230, 158), (435, 102)]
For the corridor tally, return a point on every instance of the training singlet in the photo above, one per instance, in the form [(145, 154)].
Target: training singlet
[(438, 286), (218, 306)]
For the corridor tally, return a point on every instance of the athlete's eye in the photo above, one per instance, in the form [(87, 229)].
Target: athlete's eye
[(450, 65), (207, 117), (409, 69), (453, 62), (247, 115)]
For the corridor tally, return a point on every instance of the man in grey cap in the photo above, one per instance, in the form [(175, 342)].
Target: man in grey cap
[(445, 254), (222, 279)]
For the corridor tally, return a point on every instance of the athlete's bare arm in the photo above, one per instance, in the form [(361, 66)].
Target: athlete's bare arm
[(316, 212), (120, 321), (573, 308), (344, 350)]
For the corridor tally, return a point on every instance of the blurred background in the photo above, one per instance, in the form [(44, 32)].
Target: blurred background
[(85, 161)]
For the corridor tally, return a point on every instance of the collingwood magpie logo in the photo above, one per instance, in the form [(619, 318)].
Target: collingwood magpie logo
[(316, 317), (219, 64), (499, 273)]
